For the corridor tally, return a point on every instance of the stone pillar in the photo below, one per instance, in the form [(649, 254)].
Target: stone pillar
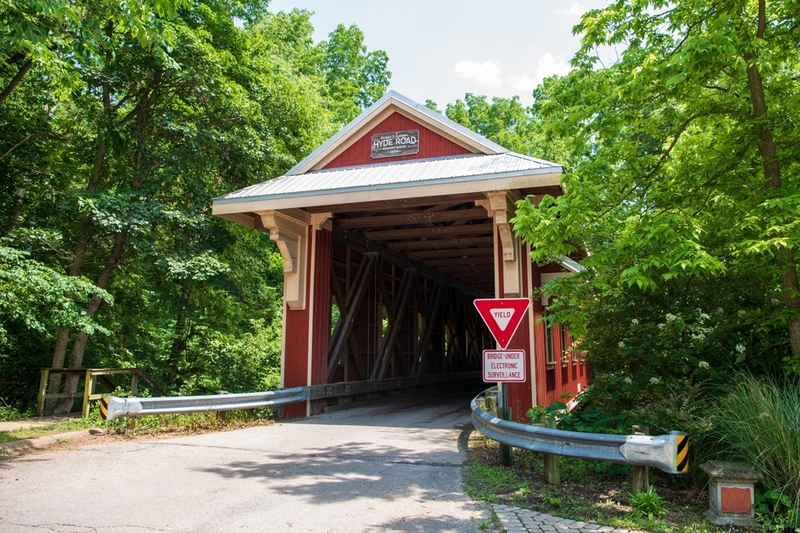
[(731, 492)]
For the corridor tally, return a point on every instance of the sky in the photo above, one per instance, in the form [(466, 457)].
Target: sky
[(443, 49)]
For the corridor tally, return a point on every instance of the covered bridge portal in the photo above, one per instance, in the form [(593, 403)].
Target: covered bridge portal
[(388, 233)]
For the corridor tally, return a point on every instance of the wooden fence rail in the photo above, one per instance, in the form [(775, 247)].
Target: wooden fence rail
[(91, 377)]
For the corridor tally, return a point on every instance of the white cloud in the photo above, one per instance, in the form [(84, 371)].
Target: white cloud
[(548, 65), (486, 73), (523, 84), (490, 75), (575, 10)]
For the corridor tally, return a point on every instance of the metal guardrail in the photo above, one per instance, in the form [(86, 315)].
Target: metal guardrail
[(113, 407), (668, 453)]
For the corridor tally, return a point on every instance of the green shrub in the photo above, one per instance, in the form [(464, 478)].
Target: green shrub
[(758, 422), (647, 504)]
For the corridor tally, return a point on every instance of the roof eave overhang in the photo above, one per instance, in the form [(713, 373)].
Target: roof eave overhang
[(545, 177)]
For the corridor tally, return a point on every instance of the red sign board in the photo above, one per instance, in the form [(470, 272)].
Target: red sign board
[(504, 366), (503, 316)]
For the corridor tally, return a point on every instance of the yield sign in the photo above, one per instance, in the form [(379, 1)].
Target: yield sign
[(503, 316)]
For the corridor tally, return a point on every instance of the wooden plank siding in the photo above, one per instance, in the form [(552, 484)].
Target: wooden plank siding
[(431, 144)]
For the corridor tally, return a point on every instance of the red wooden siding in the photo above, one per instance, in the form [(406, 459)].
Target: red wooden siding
[(431, 144), (550, 383), (295, 364)]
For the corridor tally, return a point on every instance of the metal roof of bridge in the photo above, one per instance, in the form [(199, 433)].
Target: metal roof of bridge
[(451, 169)]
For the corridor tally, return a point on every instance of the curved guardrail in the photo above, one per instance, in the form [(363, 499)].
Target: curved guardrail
[(668, 453)]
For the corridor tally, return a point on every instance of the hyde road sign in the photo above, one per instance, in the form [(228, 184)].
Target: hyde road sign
[(504, 366), (503, 316)]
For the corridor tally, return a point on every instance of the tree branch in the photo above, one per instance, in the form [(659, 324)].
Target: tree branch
[(15, 81)]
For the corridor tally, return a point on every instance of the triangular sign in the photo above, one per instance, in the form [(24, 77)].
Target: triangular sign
[(503, 316)]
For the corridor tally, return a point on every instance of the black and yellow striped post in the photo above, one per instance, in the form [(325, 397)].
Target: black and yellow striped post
[(681, 452), (104, 408)]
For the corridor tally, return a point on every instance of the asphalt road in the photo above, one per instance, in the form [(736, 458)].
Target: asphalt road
[(391, 466)]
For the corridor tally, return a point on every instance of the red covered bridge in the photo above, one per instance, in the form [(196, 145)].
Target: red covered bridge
[(388, 232)]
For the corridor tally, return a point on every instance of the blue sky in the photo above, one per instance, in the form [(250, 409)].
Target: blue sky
[(442, 49)]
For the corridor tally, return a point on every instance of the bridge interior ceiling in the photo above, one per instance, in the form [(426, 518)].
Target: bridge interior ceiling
[(449, 238)]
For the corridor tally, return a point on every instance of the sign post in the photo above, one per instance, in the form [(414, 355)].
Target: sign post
[(503, 316)]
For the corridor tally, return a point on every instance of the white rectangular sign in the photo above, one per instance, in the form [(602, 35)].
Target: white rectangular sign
[(504, 366)]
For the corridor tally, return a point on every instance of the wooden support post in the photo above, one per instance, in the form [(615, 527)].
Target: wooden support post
[(552, 474), (641, 474), (135, 384), (42, 391), (130, 425), (88, 385)]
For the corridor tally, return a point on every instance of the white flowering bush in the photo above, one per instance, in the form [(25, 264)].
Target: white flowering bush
[(653, 353)]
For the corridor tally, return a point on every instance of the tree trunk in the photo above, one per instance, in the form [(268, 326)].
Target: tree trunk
[(79, 345), (179, 343), (772, 183), (75, 269), (791, 296)]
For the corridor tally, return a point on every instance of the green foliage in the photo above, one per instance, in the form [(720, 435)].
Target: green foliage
[(554, 502), (503, 120), (355, 77), (44, 37), (131, 119), (757, 421), (538, 413), (8, 412), (588, 492), (680, 180), (775, 510), (41, 298), (647, 503)]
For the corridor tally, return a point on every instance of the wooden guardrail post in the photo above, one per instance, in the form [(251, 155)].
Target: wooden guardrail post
[(40, 398), (552, 474), (88, 387), (91, 375), (641, 474)]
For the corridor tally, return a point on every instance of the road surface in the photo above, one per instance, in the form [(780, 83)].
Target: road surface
[(391, 466)]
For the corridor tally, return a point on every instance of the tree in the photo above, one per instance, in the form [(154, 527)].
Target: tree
[(685, 151), (503, 120), (354, 76), (41, 34), (109, 173)]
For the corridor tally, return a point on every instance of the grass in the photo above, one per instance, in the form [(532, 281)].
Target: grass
[(590, 491), (44, 431), (149, 425), (758, 422)]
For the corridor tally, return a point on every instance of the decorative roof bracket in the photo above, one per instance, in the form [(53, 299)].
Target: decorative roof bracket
[(289, 230), (501, 206)]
